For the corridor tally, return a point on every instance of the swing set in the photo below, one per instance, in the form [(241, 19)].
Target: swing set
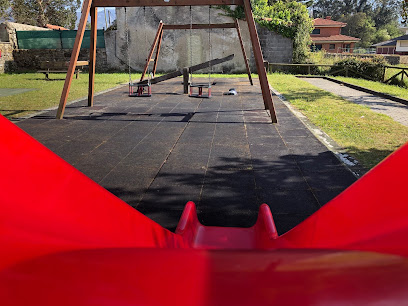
[(157, 42), (90, 7)]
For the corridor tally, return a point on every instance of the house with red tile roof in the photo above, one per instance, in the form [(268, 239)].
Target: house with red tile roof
[(327, 35)]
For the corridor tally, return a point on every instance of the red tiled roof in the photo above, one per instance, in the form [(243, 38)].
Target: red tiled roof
[(328, 22), (334, 38), (54, 27)]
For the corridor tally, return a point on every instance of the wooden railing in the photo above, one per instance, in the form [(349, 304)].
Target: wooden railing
[(271, 67)]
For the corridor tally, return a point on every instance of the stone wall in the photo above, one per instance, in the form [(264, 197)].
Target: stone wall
[(8, 31), (178, 50), (275, 48), (30, 59), (6, 59)]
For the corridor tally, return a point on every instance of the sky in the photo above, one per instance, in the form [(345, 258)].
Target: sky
[(101, 16)]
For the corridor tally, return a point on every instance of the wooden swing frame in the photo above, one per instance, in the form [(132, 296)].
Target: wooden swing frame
[(159, 38), (90, 7)]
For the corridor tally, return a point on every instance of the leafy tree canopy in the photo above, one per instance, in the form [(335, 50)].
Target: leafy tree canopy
[(372, 21), (404, 11), (380, 11), (288, 18), (41, 12), (361, 26)]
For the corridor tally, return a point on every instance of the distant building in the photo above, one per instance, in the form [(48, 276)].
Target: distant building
[(397, 45), (327, 35)]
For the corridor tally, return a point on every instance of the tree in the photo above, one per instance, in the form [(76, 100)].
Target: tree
[(404, 12), (4, 8), (393, 28), (41, 12), (381, 11), (338, 8), (384, 12), (362, 26), (381, 35)]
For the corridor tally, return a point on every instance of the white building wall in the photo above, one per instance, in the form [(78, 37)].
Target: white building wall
[(402, 46)]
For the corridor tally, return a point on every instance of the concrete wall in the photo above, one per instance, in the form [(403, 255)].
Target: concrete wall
[(6, 59), (176, 47), (30, 59)]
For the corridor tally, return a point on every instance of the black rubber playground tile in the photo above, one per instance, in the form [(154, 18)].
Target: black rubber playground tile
[(222, 153)]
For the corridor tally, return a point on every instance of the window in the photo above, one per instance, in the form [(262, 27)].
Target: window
[(332, 46), (316, 31), (315, 48), (404, 43)]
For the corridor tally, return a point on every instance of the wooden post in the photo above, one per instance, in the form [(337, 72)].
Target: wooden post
[(185, 79), (256, 47), (149, 57), (157, 52), (74, 57), (92, 54), (243, 52), (383, 76)]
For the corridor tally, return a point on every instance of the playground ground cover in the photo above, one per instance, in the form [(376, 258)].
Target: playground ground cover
[(156, 153), (30, 92), (366, 135), (369, 137)]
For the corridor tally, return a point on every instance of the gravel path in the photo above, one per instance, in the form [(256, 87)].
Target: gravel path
[(395, 110)]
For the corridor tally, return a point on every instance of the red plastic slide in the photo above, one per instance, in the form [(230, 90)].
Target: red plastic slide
[(65, 240)]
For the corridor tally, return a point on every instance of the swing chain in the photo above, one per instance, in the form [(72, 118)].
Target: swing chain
[(223, 49), (209, 44), (191, 44), (147, 44), (127, 47)]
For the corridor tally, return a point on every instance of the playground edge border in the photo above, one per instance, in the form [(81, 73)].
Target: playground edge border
[(341, 154)]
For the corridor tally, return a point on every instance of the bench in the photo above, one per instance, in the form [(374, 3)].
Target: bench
[(48, 67)]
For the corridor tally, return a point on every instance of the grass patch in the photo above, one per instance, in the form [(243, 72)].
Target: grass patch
[(368, 136), (47, 93), (377, 86)]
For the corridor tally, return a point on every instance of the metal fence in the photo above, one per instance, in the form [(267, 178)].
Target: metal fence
[(55, 39)]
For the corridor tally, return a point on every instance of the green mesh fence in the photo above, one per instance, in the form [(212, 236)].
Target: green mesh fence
[(56, 39)]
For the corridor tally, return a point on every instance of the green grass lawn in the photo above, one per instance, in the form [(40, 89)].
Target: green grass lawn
[(47, 93), (368, 136), (394, 90)]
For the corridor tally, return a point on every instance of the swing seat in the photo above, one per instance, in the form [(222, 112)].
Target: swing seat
[(143, 90), (200, 93)]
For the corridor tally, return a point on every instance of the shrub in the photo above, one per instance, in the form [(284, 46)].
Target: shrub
[(369, 68)]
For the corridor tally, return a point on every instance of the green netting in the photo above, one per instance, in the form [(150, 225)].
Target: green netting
[(39, 40), (55, 39)]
